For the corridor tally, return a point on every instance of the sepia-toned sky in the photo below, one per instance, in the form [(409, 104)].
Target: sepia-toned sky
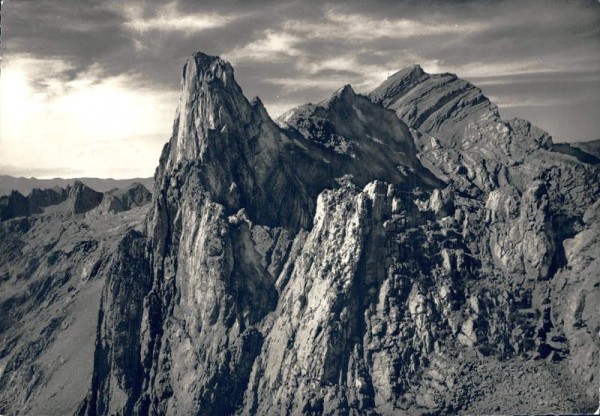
[(89, 87)]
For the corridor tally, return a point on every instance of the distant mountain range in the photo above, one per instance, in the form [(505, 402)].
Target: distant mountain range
[(25, 185)]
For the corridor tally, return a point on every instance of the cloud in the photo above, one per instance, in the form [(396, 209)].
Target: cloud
[(538, 77), (97, 126), (167, 18), (511, 102), (40, 173), (544, 92), (360, 27), (272, 46), (533, 65), (298, 84)]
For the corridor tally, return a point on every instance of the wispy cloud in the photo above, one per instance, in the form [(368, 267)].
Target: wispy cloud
[(531, 78), (298, 84), (367, 75), (512, 102), (273, 46), (357, 27), (168, 18), (542, 65)]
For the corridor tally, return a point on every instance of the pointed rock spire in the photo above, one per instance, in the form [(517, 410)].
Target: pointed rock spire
[(81, 198), (211, 101), (343, 93)]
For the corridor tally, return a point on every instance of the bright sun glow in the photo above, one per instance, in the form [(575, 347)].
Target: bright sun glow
[(88, 126)]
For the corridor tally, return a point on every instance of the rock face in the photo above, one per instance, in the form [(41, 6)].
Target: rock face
[(591, 147), (233, 147), (75, 199), (81, 199), (119, 200), (348, 132), (441, 104), (16, 205), (42, 198), (13, 205), (54, 269), (405, 252)]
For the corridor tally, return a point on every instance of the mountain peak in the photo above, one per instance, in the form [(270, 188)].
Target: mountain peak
[(343, 93), (81, 198), (231, 143), (320, 267), (211, 101), (438, 104), (208, 68), (410, 71), (256, 102), (398, 83)]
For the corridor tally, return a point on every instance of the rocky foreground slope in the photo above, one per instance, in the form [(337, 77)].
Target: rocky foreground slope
[(406, 252)]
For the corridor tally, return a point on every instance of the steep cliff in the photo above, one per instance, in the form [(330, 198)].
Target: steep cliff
[(402, 252), (232, 190)]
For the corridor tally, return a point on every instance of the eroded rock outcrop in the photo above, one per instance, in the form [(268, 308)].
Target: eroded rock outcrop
[(208, 271), (42, 198), (81, 198), (76, 199), (13, 205), (119, 200), (348, 132)]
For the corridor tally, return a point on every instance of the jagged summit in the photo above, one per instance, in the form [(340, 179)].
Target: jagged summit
[(82, 198), (242, 155), (207, 68), (210, 100), (343, 93), (260, 109), (439, 104), (119, 200), (13, 205), (231, 144), (351, 132), (397, 83), (413, 72), (256, 102), (75, 199), (455, 121)]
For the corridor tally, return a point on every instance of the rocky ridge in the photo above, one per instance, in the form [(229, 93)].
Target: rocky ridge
[(396, 253), (119, 200), (26, 185), (75, 199)]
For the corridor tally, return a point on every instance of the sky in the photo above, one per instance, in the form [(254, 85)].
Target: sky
[(90, 87)]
